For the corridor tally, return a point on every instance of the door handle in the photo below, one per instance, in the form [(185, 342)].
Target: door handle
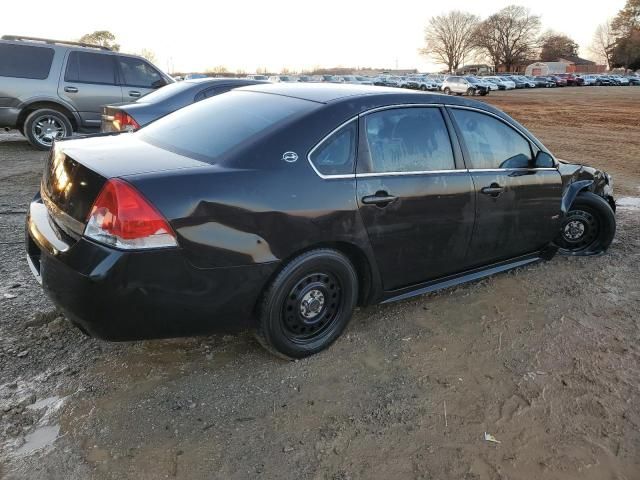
[(494, 190), (71, 89), (134, 93), (381, 199)]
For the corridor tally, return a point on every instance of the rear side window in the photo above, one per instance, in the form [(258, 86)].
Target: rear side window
[(85, 67), (336, 154), (23, 61), (490, 142), (208, 129), (138, 73), (408, 140)]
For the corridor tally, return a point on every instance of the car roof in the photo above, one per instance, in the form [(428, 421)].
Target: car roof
[(326, 93), (363, 97), (228, 81)]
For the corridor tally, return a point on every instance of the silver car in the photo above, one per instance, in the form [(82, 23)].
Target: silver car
[(51, 88)]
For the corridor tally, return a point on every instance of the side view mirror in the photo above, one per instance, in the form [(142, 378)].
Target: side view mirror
[(544, 160), (159, 83)]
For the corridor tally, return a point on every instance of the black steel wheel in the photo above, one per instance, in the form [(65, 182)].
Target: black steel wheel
[(589, 226), (308, 304)]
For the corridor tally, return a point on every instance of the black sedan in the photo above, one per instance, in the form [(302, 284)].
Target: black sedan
[(134, 115), (544, 82), (282, 207)]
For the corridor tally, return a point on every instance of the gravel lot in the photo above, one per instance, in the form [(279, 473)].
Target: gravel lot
[(545, 358)]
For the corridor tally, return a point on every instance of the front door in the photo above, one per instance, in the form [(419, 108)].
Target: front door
[(89, 83), (517, 203), (417, 207)]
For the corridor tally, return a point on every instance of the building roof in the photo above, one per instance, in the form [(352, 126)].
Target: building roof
[(576, 60)]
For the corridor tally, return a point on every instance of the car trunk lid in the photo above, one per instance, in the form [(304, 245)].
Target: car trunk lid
[(77, 170)]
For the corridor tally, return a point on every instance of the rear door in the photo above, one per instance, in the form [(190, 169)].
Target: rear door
[(416, 201), (138, 77), (517, 204), (89, 82)]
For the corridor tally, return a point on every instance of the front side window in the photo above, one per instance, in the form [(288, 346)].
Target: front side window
[(336, 154), (22, 61), (490, 142), (408, 140), (138, 73), (85, 67)]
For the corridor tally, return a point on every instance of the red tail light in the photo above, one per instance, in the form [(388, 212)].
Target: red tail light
[(123, 121), (123, 218)]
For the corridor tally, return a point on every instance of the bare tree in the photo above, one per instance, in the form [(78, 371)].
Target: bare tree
[(149, 55), (509, 37), (603, 43), (449, 38)]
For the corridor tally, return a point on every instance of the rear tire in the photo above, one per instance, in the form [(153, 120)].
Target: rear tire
[(308, 305), (44, 126), (447, 91), (589, 226)]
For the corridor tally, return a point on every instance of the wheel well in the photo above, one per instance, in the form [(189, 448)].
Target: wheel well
[(352, 252), (51, 105)]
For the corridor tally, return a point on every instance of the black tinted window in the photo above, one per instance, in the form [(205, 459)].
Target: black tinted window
[(490, 142), (90, 68), (23, 61), (138, 73), (335, 156), (408, 140), (208, 129)]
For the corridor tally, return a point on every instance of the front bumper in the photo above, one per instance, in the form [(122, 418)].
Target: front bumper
[(134, 295)]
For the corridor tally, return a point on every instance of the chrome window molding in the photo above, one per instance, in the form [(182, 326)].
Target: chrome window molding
[(420, 172), (329, 177), (523, 169), (416, 172)]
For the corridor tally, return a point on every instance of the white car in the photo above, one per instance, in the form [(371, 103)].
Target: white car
[(422, 82), (282, 79), (502, 82), (356, 80)]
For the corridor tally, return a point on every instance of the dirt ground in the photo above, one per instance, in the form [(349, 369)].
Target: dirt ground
[(545, 358)]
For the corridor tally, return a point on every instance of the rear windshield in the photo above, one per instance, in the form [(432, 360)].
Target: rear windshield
[(23, 61), (208, 129), (168, 91)]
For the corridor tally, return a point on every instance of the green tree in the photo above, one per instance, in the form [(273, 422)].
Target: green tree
[(557, 45), (104, 38)]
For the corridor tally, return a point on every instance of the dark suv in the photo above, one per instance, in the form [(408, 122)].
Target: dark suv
[(50, 88)]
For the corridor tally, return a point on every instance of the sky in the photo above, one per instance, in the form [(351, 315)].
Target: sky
[(191, 35)]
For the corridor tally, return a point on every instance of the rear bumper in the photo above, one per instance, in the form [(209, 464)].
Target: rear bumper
[(120, 295)]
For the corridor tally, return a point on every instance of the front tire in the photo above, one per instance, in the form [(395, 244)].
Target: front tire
[(44, 126), (308, 305), (588, 227), (447, 91), (471, 92)]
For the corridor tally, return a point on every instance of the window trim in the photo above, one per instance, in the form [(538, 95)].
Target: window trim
[(456, 143), (116, 70), (319, 144)]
